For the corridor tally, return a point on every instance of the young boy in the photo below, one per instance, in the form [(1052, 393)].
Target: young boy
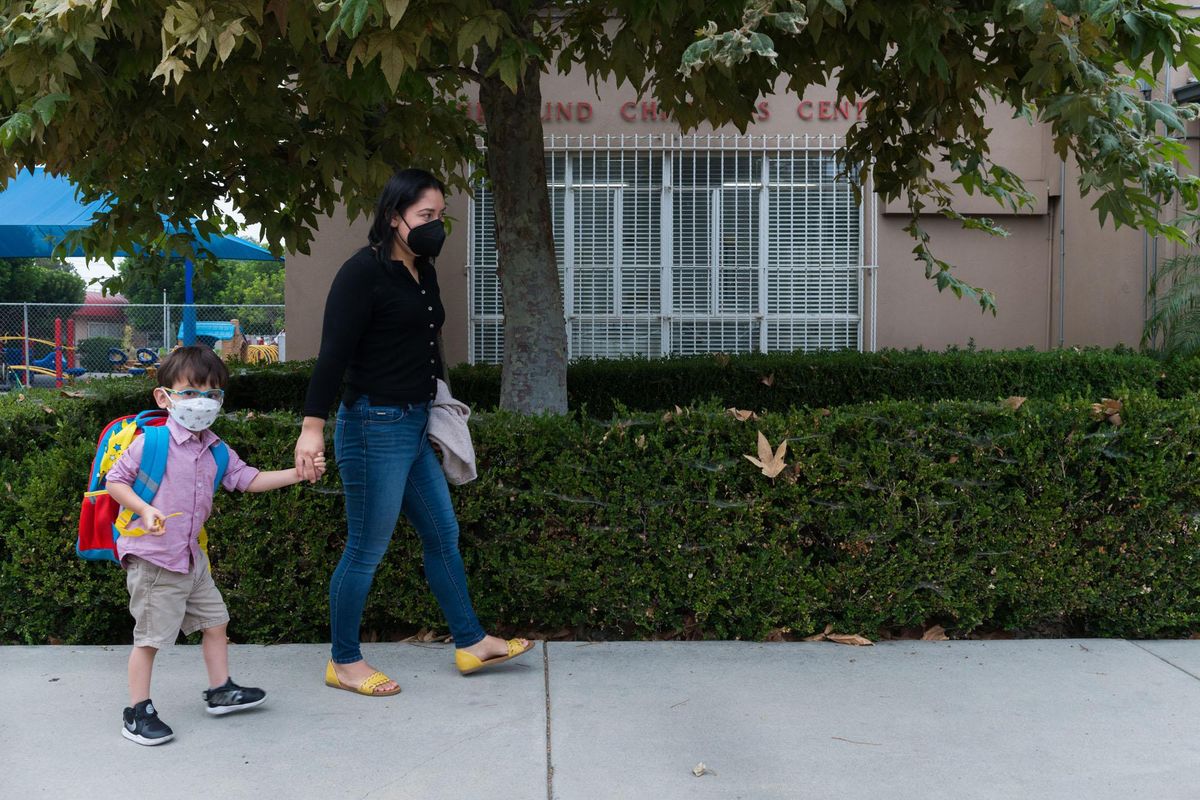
[(167, 574)]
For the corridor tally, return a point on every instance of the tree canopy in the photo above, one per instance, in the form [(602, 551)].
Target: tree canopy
[(29, 280), (289, 107)]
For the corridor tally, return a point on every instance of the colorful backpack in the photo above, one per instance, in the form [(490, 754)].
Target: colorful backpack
[(101, 519)]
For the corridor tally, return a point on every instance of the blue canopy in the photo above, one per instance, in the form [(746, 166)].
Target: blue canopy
[(219, 330), (37, 210)]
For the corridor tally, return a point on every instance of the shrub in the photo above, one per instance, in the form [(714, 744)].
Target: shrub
[(889, 514), (93, 353)]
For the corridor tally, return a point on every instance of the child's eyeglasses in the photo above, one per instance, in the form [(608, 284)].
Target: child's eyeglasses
[(196, 394)]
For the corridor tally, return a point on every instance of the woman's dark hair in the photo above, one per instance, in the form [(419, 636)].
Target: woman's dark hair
[(196, 366), (402, 190)]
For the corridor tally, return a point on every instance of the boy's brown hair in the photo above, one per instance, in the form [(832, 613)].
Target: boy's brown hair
[(196, 366)]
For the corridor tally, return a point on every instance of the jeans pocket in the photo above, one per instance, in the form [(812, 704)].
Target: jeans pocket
[(375, 415)]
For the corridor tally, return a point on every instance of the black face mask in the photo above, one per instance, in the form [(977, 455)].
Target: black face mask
[(426, 240)]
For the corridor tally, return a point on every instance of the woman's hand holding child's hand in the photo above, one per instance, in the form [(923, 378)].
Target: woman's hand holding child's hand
[(318, 466)]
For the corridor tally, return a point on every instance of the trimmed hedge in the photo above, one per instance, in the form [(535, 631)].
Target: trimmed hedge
[(772, 382), (889, 515)]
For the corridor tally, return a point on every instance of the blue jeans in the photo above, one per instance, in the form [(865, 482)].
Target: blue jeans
[(387, 466)]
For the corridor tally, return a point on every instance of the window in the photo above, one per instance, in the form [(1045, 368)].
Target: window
[(682, 245)]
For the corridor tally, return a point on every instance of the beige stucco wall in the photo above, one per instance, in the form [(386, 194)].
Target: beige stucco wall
[(1104, 272)]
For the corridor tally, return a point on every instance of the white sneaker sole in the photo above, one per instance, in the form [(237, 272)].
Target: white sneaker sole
[(133, 737), (219, 710)]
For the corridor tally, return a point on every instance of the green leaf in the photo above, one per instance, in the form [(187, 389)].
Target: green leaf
[(508, 72), (396, 10), (17, 127), (45, 106)]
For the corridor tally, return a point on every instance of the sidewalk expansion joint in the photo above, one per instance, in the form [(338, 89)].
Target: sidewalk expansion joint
[(549, 761), (1191, 675)]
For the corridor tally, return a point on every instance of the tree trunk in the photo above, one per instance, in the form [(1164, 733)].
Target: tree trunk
[(534, 375)]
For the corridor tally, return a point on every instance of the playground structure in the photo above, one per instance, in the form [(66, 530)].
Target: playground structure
[(59, 362), (232, 345), (146, 363)]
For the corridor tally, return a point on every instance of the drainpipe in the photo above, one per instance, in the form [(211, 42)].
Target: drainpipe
[(1147, 93), (1062, 252)]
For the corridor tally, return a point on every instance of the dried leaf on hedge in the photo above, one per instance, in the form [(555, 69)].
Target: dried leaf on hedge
[(740, 415), (768, 380), (48, 409), (65, 393), (640, 441), (935, 634), (770, 463), (850, 639), (1108, 410), (618, 428), (1014, 402), (677, 412)]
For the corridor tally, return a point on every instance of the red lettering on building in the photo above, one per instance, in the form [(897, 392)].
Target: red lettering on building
[(825, 110), (843, 109), (764, 112), (583, 111), (627, 111), (861, 105), (805, 110)]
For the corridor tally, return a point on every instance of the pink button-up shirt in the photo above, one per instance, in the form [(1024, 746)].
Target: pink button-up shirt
[(187, 487)]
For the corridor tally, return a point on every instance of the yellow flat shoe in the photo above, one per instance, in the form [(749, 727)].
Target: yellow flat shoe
[(468, 663), (367, 687)]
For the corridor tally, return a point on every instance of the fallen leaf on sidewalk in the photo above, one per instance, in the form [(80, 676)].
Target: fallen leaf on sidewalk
[(935, 634), (819, 637), (850, 638), (701, 769)]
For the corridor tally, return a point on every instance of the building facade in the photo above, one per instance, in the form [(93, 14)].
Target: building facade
[(714, 240)]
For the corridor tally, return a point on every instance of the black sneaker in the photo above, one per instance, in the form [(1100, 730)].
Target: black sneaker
[(143, 726), (231, 697)]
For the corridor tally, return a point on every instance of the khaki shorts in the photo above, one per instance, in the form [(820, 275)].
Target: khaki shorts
[(163, 602)]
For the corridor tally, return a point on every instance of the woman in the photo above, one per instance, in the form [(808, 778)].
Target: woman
[(383, 319)]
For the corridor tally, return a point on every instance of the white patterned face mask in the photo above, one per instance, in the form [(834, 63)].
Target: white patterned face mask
[(196, 415)]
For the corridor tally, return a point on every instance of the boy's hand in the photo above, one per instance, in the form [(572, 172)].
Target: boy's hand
[(152, 521), (319, 466)]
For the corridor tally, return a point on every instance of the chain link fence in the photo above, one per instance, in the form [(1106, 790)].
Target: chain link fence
[(40, 341)]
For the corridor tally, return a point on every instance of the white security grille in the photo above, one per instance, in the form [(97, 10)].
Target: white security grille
[(675, 245)]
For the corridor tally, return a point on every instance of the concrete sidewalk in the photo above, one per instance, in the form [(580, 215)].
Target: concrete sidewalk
[(1094, 719)]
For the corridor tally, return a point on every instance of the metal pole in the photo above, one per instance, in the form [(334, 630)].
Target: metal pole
[(166, 322), (25, 334), (189, 308), (58, 354)]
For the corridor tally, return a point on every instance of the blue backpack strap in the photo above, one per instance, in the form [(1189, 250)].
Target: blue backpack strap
[(221, 456), (154, 462)]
